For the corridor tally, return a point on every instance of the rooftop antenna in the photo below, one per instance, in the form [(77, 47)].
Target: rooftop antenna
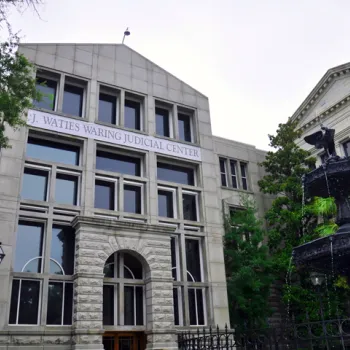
[(126, 33)]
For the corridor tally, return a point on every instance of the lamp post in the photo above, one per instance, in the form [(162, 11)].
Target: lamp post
[(317, 280), (2, 254)]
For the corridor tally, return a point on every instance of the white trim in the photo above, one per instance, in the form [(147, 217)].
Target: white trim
[(80, 83), (137, 99), (116, 194), (126, 267), (196, 195), (59, 265), (192, 228), (136, 184), (76, 174), (32, 259), (174, 195), (199, 239), (48, 178)]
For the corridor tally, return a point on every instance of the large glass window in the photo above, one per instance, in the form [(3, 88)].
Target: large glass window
[(107, 108), (48, 89), (184, 122), (60, 303), (62, 250), (118, 163), (162, 122), (29, 247), (73, 100), (132, 114), (223, 172), (133, 198), (35, 184), (105, 194), (196, 306), (52, 151), (24, 307), (175, 173), (66, 189), (108, 305), (166, 203), (189, 204), (193, 260)]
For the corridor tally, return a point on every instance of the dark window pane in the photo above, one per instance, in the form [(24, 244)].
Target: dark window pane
[(192, 307), (107, 107), (165, 204), (109, 267), (184, 127), (54, 303), (52, 152), (176, 306), (73, 100), (104, 195), (132, 115), (175, 173), (66, 189), (139, 306), (243, 168), (162, 122), (200, 306), (244, 184), (189, 206), (63, 248), (346, 146), (48, 90), (233, 167), (223, 180), (108, 343), (244, 176), (193, 260), (68, 304), (14, 301), (222, 165), (28, 246), (108, 305), (29, 302), (132, 199), (173, 257), (118, 163), (34, 184), (233, 174), (134, 265), (128, 306)]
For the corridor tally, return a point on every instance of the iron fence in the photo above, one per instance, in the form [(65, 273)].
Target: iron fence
[(321, 335)]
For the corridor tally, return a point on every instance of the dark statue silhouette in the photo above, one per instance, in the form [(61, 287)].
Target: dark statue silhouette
[(323, 139)]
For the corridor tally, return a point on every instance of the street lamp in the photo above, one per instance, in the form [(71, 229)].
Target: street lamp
[(2, 254), (317, 278)]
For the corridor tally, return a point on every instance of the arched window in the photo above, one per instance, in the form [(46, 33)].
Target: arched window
[(123, 289)]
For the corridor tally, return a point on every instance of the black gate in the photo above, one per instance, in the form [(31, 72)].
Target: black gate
[(323, 335)]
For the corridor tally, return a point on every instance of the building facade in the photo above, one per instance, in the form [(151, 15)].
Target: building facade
[(111, 208)]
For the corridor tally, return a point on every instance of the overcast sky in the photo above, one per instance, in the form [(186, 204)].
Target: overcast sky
[(255, 60)]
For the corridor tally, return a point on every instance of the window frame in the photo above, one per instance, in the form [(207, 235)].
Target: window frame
[(169, 109), (48, 184), (196, 195), (80, 83), (245, 165), (136, 99), (196, 306), (177, 257), (192, 166), (141, 186), (110, 91), (199, 239), (223, 160), (190, 115), (48, 75), (179, 291), (72, 173), (115, 183), (234, 163), (173, 191)]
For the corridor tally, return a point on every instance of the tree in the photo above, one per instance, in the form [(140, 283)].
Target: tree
[(17, 87), (248, 268)]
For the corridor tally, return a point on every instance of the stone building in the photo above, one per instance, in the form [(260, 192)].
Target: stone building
[(111, 206)]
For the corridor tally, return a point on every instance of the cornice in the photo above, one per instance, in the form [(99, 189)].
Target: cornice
[(319, 90), (120, 225)]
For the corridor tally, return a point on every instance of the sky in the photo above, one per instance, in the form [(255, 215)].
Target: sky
[(255, 60)]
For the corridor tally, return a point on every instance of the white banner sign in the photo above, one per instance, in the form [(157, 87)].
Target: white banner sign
[(76, 127)]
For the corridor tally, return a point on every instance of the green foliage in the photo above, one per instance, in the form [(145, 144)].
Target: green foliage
[(17, 87), (248, 268)]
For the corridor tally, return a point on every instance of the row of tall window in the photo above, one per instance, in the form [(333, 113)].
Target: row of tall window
[(57, 177), (233, 173), (111, 104)]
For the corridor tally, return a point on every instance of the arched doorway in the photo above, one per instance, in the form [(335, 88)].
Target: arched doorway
[(124, 315)]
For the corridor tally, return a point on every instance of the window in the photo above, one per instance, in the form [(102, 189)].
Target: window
[(35, 184), (175, 173), (127, 280), (62, 250), (233, 165), (193, 260), (244, 176), (196, 306), (223, 172), (178, 306), (166, 206), (105, 194), (24, 307), (132, 114), (53, 152), (107, 108), (66, 189), (174, 258), (184, 123), (162, 122), (133, 198), (29, 247), (48, 89), (190, 206), (73, 100), (118, 163), (59, 303), (346, 146)]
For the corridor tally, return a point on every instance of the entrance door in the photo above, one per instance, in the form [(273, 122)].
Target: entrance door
[(124, 341)]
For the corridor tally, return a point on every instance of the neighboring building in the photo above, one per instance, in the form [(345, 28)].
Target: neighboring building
[(111, 211), (327, 103)]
